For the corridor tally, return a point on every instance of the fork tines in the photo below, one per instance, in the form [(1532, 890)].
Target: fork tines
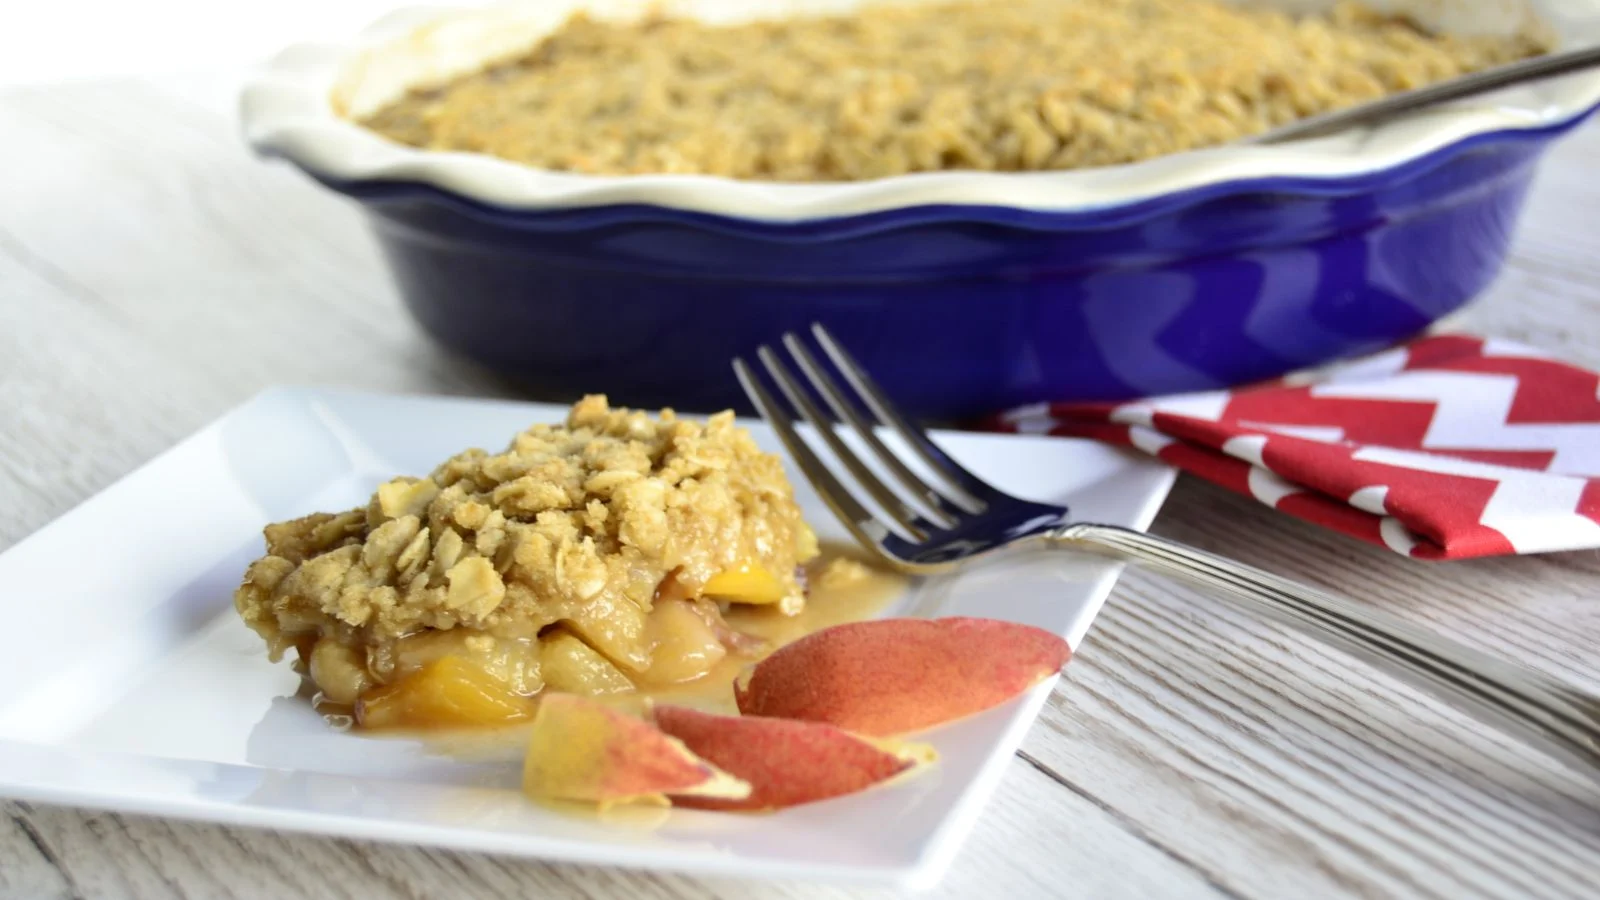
[(918, 507)]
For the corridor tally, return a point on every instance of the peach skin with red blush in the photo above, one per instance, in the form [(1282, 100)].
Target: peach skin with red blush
[(785, 762), (891, 676)]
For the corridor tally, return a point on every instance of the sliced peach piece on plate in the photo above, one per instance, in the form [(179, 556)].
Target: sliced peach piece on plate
[(890, 676), (446, 693), (581, 749), (785, 762)]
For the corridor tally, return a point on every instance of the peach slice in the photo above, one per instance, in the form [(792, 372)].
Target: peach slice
[(571, 666), (748, 583), (581, 749), (685, 645), (786, 762), (446, 693), (891, 676)]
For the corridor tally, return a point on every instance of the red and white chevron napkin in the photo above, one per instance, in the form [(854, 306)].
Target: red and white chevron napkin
[(1445, 448)]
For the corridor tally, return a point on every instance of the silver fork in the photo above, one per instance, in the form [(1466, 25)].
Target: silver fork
[(926, 527)]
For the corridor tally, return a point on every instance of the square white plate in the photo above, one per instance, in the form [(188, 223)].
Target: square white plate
[(133, 686)]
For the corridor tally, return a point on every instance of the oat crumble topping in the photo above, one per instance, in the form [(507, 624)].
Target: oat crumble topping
[(971, 84)]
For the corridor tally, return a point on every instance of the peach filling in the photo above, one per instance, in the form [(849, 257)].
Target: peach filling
[(461, 679), (447, 693)]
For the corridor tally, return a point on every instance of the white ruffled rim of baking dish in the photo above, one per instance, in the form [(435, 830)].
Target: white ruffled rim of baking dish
[(296, 106)]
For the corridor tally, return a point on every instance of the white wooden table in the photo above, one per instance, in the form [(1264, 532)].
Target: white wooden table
[(152, 275)]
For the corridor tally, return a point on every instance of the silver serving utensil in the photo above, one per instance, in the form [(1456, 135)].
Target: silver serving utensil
[(924, 526), (1379, 111)]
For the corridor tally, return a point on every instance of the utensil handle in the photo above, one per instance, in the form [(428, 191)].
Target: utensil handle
[(1521, 702), (1481, 82)]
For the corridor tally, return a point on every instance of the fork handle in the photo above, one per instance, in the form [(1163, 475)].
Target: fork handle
[(1523, 703)]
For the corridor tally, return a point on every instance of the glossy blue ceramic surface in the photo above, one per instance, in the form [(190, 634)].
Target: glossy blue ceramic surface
[(962, 311)]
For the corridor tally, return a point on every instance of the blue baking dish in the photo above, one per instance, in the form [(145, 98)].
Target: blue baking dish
[(964, 292)]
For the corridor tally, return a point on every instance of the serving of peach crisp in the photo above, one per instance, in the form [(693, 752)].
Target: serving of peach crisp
[(591, 557), (575, 582)]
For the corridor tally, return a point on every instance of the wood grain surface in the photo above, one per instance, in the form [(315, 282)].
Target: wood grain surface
[(153, 275)]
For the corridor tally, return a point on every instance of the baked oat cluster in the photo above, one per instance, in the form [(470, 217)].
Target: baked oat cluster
[(583, 556), (971, 84)]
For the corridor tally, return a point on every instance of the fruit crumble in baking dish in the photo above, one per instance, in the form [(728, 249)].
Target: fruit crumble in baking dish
[(897, 88)]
